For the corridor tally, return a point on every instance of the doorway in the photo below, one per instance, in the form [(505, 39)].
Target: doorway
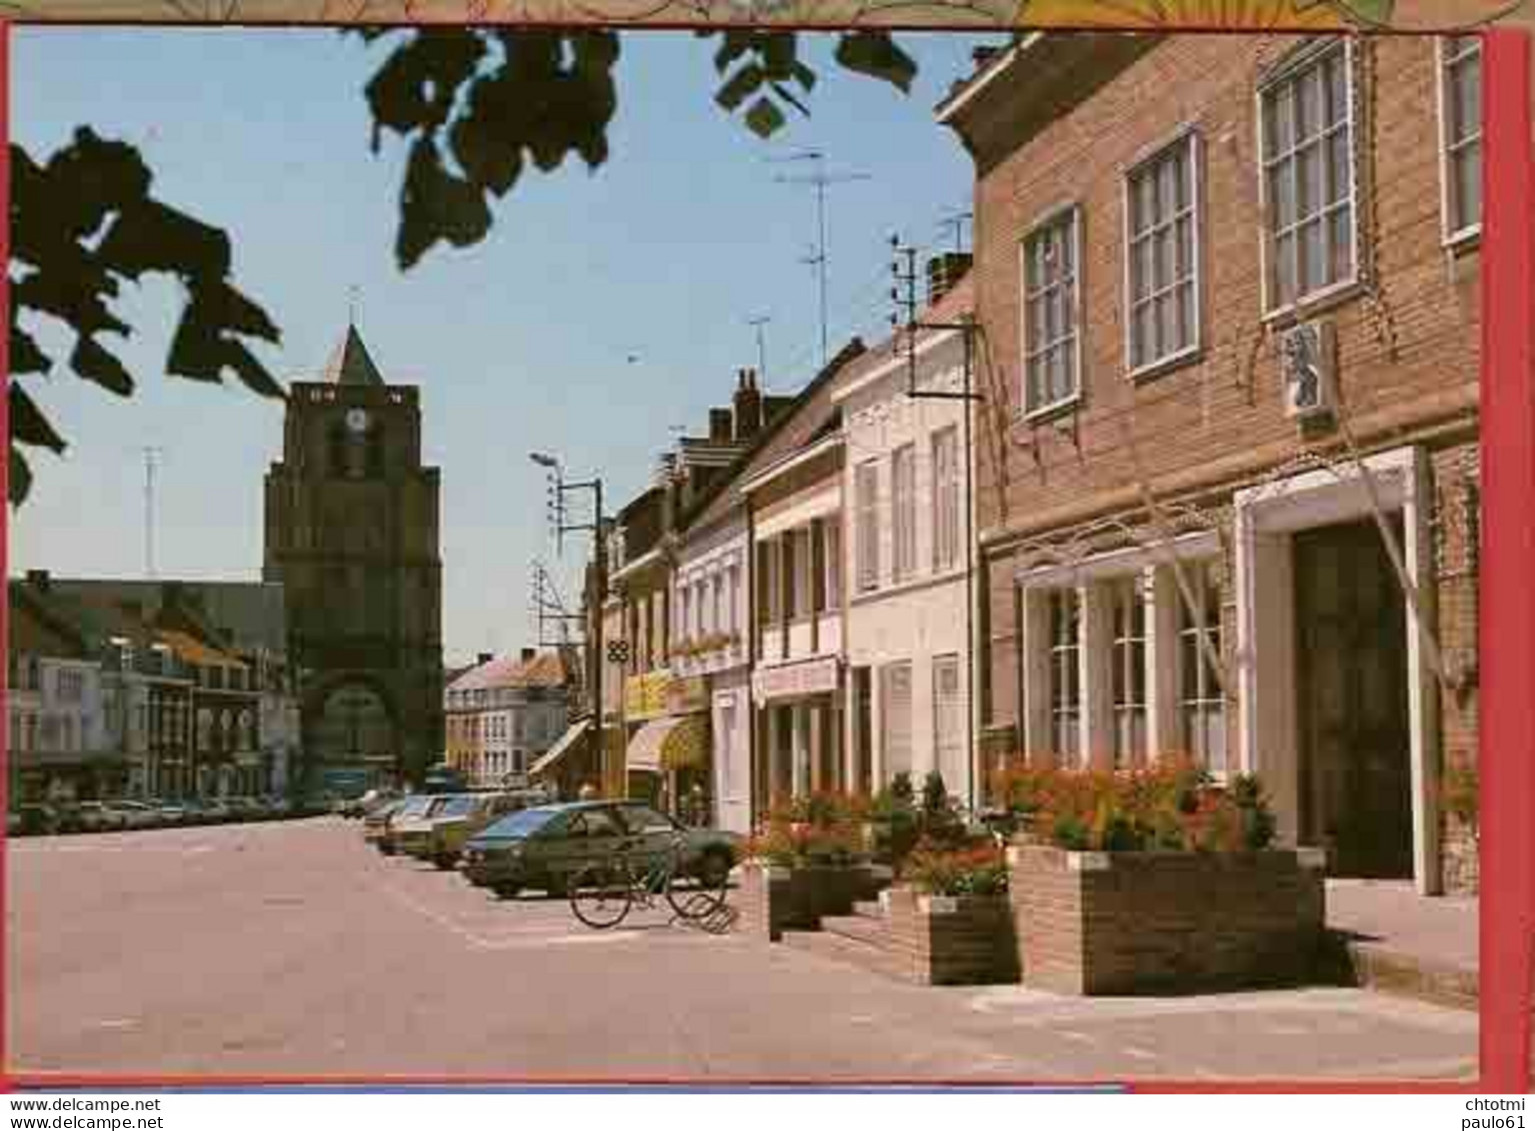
[(1353, 708)]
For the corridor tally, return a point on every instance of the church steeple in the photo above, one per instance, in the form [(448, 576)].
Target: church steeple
[(350, 364)]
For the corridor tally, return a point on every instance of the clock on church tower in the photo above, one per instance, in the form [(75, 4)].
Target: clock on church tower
[(352, 536)]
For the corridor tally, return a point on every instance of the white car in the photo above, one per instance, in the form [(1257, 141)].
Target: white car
[(133, 814)]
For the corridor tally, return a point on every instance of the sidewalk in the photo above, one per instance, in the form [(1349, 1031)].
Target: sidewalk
[(1400, 942)]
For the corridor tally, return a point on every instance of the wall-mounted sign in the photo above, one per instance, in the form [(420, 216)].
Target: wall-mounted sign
[(645, 696), (792, 681)]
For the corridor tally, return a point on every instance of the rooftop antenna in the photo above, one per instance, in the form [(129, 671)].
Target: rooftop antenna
[(354, 299), (821, 180), (758, 324), (151, 455), (955, 222)]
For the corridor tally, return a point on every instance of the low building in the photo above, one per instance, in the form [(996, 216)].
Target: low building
[(906, 551), (508, 711), (1228, 496), (60, 748)]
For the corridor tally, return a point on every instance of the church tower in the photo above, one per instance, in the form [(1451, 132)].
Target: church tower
[(352, 535)]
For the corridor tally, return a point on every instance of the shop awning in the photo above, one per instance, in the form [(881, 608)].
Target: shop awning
[(673, 743), (566, 743)]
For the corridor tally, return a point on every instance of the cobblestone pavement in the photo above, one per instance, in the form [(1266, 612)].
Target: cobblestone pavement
[(284, 949)]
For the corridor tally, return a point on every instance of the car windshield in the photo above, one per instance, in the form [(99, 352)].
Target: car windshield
[(415, 806), (458, 806), (521, 824)]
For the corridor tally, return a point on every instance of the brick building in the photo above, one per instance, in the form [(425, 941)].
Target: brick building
[(1227, 463)]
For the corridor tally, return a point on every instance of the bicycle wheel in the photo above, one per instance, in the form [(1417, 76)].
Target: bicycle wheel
[(701, 897), (600, 896)]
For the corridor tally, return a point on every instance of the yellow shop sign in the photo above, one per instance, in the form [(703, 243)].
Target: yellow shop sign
[(645, 696)]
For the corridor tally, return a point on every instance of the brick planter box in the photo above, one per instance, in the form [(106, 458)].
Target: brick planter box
[(1166, 922), (966, 940), (775, 899)]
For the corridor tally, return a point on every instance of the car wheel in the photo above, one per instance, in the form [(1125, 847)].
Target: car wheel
[(506, 891)]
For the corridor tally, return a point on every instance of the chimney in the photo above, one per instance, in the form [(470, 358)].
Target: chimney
[(528, 654), (943, 271), (485, 658), (38, 579), (747, 405), (719, 425)]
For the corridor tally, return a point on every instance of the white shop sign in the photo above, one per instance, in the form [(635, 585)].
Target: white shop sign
[(791, 681)]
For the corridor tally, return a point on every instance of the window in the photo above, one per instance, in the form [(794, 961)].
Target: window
[(15, 732), (866, 490), (718, 604), (945, 498), (684, 613), (895, 718), (831, 532), (1308, 177), (803, 581), (1128, 606), (1202, 704), (771, 601), (735, 592), (1051, 300), (1162, 271), (1460, 123), (948, 721), (903, 495), (1065, 675)]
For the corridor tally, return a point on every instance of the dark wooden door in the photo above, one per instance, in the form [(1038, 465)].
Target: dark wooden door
[(1356, 774)]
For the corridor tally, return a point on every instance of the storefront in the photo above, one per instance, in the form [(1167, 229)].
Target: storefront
[(799, 729), (667, 760)]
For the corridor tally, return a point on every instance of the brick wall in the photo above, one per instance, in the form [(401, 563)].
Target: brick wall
[(1407, 356), (1120, 923), (963, 941)]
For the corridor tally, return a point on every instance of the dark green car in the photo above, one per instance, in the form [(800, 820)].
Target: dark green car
[(543, 848)]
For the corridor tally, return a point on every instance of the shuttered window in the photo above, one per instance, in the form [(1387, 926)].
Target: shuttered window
[(867, 501), (895, 718)]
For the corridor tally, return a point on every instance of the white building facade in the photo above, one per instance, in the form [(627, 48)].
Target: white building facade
[(712, 646), (906, 541)]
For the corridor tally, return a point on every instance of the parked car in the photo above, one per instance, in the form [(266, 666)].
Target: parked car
[(414, 835), (415, 806), (133, 814), (376, 824), (92, 817), (279, 806), (171, 813), (36, 819), (544, 847), (450, 826)]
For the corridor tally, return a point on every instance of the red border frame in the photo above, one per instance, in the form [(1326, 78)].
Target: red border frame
[(1507, 640)]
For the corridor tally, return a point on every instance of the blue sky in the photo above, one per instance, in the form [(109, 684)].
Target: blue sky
[(520, 343)]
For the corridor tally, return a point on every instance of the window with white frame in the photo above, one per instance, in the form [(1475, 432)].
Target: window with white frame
[(831, 531), (866, 492), (945, 497), (1065, 675), (684, 611), (1161, 197), (948, 714), (804, 573), (772, 585), (1201, 702), (1460, 124), (1128, 619), (735, 596), (903, 505), (1051, 301), (895, 718), (1307, 143), (717, 603)]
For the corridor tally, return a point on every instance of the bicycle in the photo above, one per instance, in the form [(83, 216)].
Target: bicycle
[(601, 895)]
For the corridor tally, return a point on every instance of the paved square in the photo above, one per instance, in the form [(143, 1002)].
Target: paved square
[(292, 948)]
